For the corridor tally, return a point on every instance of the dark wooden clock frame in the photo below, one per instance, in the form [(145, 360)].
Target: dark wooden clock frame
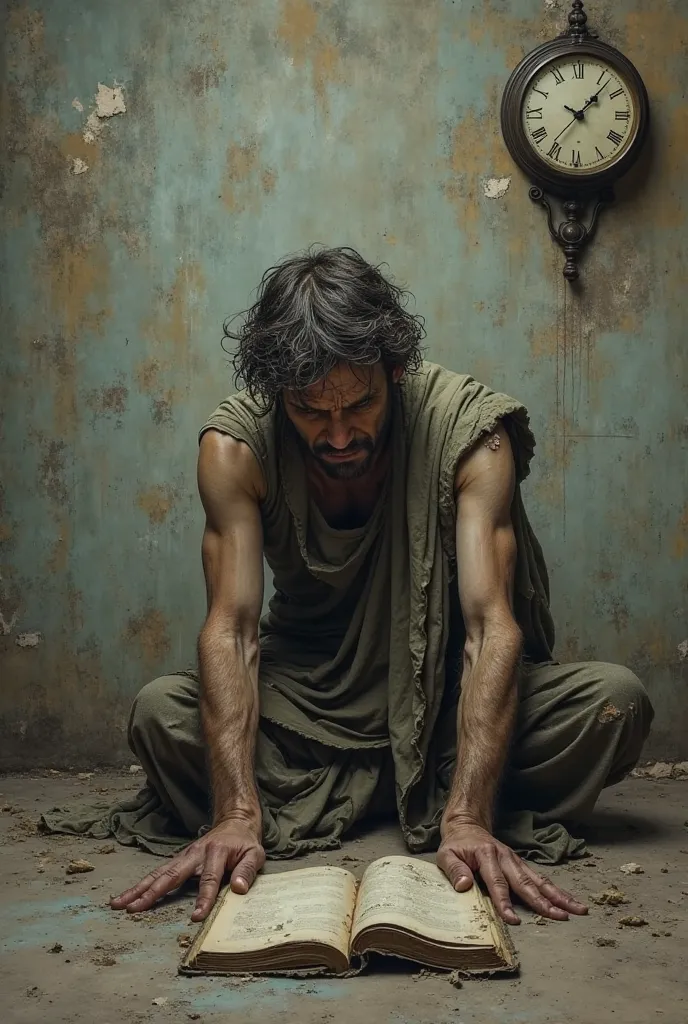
[(576, 191)]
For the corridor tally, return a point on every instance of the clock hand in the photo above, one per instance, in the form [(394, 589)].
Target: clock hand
[(594, 99), (579, 115), (576, 118)]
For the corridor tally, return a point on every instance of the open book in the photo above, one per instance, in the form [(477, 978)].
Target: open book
[(322, 919)]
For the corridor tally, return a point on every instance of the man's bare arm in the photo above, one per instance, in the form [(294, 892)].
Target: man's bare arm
[(230, 486), (486, 555)]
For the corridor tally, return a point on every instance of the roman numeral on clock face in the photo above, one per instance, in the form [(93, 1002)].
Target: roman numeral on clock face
[(534, 114), (576, 158), (613, 95), (614, 137), (555, 151), (558, 77), (579, 69), (622, 115), (540, 134)]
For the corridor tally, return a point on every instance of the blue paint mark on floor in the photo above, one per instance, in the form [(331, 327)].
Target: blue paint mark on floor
[(45, 922), (270, 994)]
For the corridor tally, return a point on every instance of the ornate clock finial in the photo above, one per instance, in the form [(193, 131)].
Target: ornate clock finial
[(578, 29)]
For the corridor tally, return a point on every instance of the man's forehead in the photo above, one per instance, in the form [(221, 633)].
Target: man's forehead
[(343, 386)]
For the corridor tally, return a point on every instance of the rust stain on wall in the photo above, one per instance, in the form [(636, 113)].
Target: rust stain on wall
[(149, 632), (59, 558), (325, 72), (268, 180), (157, 501), (162, 408), (543, 341), (297, 27), (300, 31), (476, 149), (52, 469), (74, 147), (513, 36), (656, 34), (244, 180), (242, 162), (171, 326), (147, 375), (680, 543), (80, 275), (110, 400), (26, 27), (206, 76)]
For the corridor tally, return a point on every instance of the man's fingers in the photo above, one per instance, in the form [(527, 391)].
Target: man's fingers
[(211, 880), (129, 895), (497, 884), (244, 874), (559, 897), (171, 877), (456, 870), (525, 886)]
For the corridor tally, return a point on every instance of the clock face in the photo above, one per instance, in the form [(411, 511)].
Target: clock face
[(578, 114)]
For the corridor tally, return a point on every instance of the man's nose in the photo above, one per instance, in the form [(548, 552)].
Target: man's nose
[(338, 433)]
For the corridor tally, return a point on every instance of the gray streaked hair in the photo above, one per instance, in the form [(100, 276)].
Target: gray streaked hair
[(317, 309)]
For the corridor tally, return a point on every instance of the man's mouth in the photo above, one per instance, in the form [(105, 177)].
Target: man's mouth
[(343, 456)]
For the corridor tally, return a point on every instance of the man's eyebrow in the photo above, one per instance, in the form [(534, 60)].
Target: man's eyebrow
[(302, 404), (373, 393)]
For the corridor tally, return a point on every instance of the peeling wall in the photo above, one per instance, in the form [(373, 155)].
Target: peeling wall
[(158, 157)]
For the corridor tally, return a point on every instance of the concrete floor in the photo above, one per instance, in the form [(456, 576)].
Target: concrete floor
[(111, 967)]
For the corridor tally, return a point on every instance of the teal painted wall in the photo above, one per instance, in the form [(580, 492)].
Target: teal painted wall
[(250, 130)]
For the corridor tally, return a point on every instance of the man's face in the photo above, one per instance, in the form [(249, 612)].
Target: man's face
[(343, 419)]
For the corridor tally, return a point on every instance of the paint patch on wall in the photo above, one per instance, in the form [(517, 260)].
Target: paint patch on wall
[(79, 166), (29, 639), (495, 188), (78, 105), (109, 102), (683, 651)]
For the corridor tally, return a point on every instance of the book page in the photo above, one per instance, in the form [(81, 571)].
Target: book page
[(306, 905), (414, 894)]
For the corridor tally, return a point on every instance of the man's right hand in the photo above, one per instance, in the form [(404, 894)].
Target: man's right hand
[(232, 846)]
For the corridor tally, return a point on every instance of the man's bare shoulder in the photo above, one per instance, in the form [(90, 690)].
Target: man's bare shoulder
[(227, 467), (490, 462)]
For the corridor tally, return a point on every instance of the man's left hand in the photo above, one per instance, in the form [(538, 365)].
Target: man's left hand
[(468, 848)]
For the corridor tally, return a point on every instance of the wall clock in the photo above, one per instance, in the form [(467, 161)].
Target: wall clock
[(574, 117)]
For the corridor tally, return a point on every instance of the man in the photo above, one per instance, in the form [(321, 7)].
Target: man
[(380, 489)]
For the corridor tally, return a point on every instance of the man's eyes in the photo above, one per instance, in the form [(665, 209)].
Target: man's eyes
[(317, 413)]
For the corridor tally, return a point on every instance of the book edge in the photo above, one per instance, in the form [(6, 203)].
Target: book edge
[(186, 965)]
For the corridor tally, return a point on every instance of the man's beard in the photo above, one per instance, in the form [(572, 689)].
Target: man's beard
[(345, 470)]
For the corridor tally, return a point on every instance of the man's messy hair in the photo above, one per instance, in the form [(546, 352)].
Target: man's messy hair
[(314, 310)]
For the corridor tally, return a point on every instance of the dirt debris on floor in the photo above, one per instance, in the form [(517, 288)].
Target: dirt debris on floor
[(66, 957)]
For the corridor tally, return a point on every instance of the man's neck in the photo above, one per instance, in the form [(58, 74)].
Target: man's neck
[(347, 504)]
